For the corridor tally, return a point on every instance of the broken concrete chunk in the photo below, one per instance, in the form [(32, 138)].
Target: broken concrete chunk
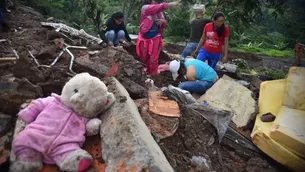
[(226, 67), (95, 69), (127, 144), (5, 121), (135, 90), (14, 92), (228, 94)]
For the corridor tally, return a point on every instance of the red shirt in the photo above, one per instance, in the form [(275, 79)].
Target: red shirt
[(213, 43)]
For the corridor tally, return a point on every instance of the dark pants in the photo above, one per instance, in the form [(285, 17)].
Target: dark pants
[(2, 4), (2, 21)]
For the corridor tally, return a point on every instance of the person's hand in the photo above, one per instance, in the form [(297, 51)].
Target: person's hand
[(161, 22), (174, 4), (195, 53)]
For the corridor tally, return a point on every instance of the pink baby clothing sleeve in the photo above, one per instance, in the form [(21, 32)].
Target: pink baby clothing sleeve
[(30, 113)]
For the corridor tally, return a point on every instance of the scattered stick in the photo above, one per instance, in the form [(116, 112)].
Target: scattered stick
[(71, 61), (8, 59), (35, 60), (64, 35)]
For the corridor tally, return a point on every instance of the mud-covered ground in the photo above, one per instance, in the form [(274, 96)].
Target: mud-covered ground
[(22, 80)]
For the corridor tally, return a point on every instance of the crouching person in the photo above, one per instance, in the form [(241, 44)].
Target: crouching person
[(200, 76), (114, 30)]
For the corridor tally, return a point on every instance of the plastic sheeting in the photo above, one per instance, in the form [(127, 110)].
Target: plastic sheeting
[(219, 118)]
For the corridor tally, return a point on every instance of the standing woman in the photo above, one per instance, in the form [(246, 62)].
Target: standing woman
[(152, 23), (215, 34)]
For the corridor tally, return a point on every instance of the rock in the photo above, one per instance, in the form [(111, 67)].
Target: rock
[(135, 90), (5, 142), (27, 69), (52, 87), (14, 92), (127, 144), (96, 69), (5, 121), (27, 9), (228, 94)]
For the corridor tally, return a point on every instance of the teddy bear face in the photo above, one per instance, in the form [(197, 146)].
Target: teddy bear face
[(85, 94)]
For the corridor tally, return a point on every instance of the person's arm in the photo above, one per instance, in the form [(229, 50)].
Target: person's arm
[(226, 45), (151, 9), (104, 29), (30, 113), (191, 73), (162, 22), (202, 40), (126, 32)]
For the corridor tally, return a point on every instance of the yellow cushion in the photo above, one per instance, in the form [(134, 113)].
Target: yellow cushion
[(295, 89), (270, 100), (289, 130)]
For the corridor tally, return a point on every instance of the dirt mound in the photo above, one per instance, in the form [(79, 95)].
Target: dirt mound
[(197, 137)]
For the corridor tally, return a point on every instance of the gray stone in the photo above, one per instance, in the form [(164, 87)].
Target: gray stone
[(126, 141), (135, 90), (230, 95), (95, 69), (25, 68), (5, 121), (14, 92)]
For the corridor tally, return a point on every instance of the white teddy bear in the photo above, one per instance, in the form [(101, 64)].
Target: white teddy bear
[(56, 126)]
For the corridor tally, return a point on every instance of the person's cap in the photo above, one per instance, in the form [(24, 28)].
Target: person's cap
[(174, 67)]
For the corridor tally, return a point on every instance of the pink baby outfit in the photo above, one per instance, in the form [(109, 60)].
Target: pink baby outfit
[(149, 49), (53, 131)]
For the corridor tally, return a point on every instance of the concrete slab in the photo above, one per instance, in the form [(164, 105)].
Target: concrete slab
[(228, 94), (127, 144)]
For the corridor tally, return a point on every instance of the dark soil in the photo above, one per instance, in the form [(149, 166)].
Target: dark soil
[(254, 61), (161, 126), (197, 137)]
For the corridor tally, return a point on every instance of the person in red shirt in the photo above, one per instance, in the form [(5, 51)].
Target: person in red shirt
[(215, 34)]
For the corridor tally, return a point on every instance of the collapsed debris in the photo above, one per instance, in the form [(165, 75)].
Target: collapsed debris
[(187, 142)]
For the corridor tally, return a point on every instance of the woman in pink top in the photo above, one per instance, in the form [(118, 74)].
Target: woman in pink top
[(149, 42)]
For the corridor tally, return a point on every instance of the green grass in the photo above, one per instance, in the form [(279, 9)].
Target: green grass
[(275, 74), (264, 51)]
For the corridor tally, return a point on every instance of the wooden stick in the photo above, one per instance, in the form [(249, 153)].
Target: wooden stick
[(8, 58)]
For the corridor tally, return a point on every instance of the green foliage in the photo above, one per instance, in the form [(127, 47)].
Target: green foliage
[(263, 27), (264, 51), (277, 74), (178, 23)]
